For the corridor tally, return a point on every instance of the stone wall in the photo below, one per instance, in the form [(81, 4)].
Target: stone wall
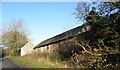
[(65, 48), (27, 49)]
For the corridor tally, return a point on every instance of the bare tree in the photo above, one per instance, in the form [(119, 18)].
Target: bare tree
[(15, 36)]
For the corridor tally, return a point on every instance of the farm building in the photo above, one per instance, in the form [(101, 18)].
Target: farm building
[(63, 43), (27, 49)]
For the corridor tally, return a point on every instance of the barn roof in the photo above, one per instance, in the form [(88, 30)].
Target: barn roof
[(63, 36)]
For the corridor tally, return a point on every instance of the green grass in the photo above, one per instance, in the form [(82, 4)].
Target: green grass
[(30, 63)]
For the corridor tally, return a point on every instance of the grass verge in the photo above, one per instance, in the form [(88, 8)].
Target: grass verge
[(30, 63)]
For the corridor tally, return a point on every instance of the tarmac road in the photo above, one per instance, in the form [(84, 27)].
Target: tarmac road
[(6, 63)]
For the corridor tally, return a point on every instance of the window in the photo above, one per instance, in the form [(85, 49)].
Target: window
[(47, 47)]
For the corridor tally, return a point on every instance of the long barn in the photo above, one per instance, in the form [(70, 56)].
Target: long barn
[(63, 43)]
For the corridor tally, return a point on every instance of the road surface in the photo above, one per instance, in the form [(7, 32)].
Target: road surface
[(6, 63)]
